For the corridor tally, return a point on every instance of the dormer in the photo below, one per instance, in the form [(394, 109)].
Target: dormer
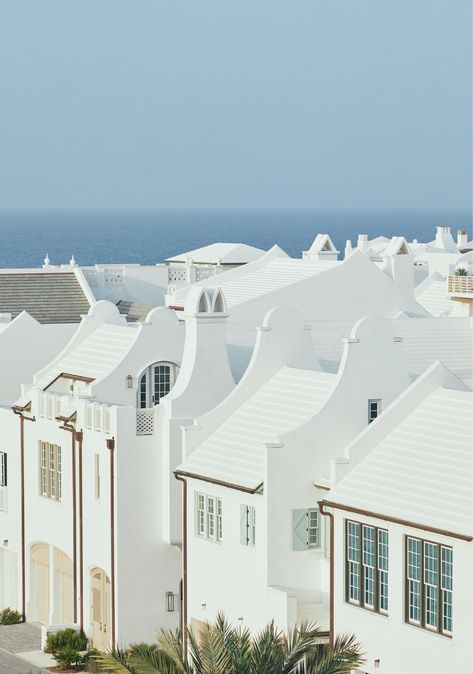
[(322, 249)]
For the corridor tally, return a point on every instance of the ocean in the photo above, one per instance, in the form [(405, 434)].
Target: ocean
[(150, 236)]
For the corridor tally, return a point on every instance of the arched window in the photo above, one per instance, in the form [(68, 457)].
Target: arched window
[(155, 382)]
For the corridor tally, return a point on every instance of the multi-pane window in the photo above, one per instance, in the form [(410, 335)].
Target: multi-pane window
[(374, 409), (3, 469), (154, 383), (97, 475), (208, 517), (429, 585), (367, 552), (50, 470), (306, 529), (247, 525), (3, 480)]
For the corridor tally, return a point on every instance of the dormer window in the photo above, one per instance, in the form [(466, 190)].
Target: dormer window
[(155, 382)]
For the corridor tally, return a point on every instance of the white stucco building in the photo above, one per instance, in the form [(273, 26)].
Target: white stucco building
[(258, 395)]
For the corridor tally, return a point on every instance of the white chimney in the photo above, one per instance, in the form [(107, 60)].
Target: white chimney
[(205, 378), (362, 242), (462, 238), (348, 249), (444, 239)]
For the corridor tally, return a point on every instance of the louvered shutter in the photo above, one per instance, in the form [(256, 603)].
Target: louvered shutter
[(299, 530), (243, 524)]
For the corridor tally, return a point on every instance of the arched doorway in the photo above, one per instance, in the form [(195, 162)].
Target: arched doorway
[(100, 609), (155, 382), (63, 588), (39, 556)]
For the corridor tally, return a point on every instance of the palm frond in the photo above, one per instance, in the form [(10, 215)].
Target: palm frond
[(150, 659), (341, 658), (117, 661)]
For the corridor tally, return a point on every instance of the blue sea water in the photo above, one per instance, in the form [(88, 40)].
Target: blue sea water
[(147, 237)]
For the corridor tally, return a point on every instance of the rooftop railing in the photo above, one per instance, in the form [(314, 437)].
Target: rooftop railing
[(460, 285)]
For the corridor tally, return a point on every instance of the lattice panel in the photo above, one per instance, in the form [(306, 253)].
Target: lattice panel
[(106, 420), (176, 274), (144, 422), (113, 276), (204, 272), (88, 416)]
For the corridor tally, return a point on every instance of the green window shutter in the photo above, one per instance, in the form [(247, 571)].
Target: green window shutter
[(299, 530), (243, 524)]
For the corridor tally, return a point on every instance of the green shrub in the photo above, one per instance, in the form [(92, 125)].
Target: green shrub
[(65, 639), (67, 656), (10, 617), (461, 271)]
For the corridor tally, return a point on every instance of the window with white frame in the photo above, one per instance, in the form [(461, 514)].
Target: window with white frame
[(3, 480), (50, 477), (155, 382), (208, 517), (429, 585), (374, 409), (3, 469), (306, 529), (247, 525), (97, 476), (366, 560)]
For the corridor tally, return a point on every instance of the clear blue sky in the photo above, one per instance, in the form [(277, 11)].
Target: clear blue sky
[(235, 103)]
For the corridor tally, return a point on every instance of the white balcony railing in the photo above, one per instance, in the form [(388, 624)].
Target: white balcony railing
[(460, 285), (49, 405), (145, 421)]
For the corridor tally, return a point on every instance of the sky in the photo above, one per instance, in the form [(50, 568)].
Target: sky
[(235, 104)]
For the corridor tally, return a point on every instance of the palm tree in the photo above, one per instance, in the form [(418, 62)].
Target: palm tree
[(223, 649)]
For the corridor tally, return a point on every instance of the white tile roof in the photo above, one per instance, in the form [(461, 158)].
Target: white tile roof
[(97, 355), (423, 470), (223, 253), (278, 273), (235, 451), (435, 299), (426, 340)]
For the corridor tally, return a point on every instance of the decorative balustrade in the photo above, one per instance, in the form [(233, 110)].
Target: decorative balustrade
[(145, 421), (460, 285), (202, 273), (97, 417), (177, 274), (113, 276), (49, 405)]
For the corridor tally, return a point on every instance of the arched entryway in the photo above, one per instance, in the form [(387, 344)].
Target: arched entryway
[(39, 594), (100, 609), (63, 589)]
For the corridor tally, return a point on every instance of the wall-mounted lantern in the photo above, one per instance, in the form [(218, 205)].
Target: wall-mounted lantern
[(170, 602), (129, 381)]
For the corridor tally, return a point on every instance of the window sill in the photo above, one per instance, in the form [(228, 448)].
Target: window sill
[(427, 632), (370, 611)]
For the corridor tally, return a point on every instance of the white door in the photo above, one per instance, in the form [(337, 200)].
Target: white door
[(40, 582), (100, 610), (64, 595), (155, 382)]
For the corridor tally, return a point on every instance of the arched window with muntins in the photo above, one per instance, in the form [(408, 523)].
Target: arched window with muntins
[(155, 382)]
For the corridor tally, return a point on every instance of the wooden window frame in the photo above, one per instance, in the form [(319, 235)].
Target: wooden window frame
[(50, 472), (376, 606), (422, 624)]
